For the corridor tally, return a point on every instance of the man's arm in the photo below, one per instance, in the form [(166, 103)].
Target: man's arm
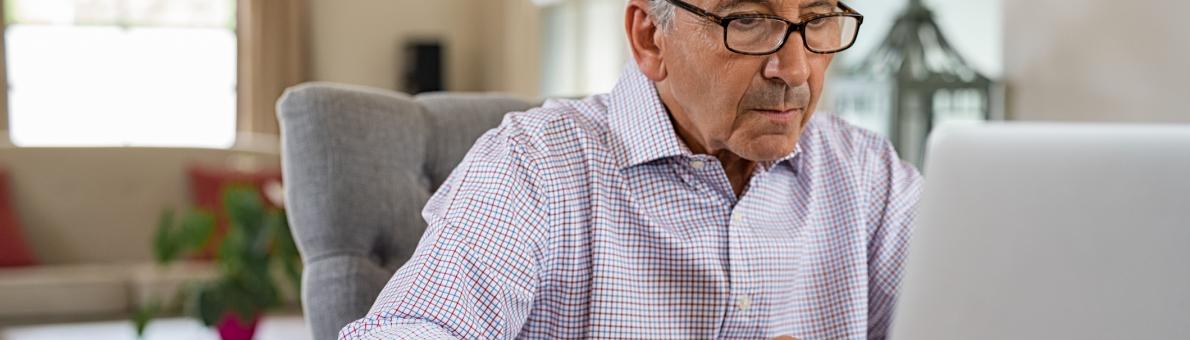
[(476, 268), (895, 187)]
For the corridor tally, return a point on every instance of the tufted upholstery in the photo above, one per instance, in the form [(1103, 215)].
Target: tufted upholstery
[(359, 164)]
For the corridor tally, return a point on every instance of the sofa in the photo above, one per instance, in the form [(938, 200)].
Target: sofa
[(89, 215), (359, 164)]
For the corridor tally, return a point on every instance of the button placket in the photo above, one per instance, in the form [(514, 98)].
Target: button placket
[(750, 294), (744, 302), (737, 219), (741, 285), (708, 172)]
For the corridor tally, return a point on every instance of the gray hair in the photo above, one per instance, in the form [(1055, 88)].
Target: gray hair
[(662, 12)]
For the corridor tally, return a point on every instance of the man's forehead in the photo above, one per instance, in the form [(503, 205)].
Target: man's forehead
[(724, 5)]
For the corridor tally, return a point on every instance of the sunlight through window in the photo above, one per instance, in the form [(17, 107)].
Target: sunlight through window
[(121, 72)]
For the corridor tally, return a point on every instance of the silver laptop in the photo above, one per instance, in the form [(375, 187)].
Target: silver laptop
[(1046, 231)]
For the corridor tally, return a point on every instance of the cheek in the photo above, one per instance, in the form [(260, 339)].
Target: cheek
[(728, 95), (819, 65), (735, 78), (715, 83)]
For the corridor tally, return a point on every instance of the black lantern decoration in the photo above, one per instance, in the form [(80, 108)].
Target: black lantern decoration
[(914, 81)]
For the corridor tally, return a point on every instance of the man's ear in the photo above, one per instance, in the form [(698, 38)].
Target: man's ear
[(644, 40)]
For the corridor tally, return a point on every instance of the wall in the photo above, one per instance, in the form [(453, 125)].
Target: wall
[(491, 45), (361, 41), (511, 44), (972, 26), (1097, 60), (1055, 68), (1093, 60), (496, 45)]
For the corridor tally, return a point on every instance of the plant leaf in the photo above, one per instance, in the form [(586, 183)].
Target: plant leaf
[(164, 250), (143, 315), (258, 238), (197, 227), (209, 303), (244, 208), (171, 240)]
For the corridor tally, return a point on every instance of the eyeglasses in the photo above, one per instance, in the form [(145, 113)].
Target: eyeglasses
[(764, 34)]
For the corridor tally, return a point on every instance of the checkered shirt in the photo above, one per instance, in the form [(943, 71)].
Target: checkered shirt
[(591, 219)]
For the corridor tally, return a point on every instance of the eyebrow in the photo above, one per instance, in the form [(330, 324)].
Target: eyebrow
[(730, 4), (817, 3)]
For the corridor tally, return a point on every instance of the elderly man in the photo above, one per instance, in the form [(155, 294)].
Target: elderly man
[(701, 198)]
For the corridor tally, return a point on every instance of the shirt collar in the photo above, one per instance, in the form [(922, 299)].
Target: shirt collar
[(639, 123), (788, 159), (641, 127)]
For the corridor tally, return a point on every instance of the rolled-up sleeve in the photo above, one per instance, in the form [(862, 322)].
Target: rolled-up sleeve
[(476, 269)]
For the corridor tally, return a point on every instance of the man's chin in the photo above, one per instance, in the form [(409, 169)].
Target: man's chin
[(768, 148)]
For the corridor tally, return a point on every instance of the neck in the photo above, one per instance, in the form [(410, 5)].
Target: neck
[(738, 169)]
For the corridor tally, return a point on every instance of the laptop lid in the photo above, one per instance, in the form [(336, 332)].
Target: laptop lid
[(1047, 231)]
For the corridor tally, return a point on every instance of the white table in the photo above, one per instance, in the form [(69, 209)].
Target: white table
[(270, 328)]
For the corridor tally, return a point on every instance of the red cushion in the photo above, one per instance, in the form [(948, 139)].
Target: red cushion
[(206, 186), (14, 252)]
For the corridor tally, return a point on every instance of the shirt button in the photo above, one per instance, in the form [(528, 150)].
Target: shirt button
[(737, 218), (744, 302), (698, 165)]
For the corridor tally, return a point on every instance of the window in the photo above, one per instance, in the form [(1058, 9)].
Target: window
[(973, 27), (121, 72), (583, 46)]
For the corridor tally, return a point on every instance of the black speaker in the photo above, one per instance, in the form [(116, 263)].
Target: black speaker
[(424, 67)]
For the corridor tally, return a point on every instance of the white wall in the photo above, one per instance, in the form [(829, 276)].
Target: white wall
[(1098, 60)]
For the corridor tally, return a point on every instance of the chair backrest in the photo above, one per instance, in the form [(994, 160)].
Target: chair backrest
[(359, 164)]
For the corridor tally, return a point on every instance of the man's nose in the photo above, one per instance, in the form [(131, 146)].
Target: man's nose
[(790, 64)]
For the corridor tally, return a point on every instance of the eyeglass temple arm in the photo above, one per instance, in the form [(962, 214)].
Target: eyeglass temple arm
[(719, 20), (697, 11), (848, 9)]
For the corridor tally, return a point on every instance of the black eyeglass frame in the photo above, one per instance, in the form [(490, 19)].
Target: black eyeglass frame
[(793, 26)]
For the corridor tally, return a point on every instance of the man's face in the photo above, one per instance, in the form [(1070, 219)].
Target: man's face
[(752, 106)]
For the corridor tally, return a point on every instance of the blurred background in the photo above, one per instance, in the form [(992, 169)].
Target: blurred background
[(205, 72), (116, 111)]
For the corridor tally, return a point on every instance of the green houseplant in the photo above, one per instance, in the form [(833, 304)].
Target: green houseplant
[(257, 246)]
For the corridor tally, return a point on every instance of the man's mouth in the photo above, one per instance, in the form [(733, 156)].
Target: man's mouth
[(781, 115)]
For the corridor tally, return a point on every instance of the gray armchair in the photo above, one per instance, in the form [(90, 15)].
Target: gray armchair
[(359, 165)]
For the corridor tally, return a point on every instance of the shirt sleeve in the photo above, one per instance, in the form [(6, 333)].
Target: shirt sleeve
[(476, 269), (895, 187)]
